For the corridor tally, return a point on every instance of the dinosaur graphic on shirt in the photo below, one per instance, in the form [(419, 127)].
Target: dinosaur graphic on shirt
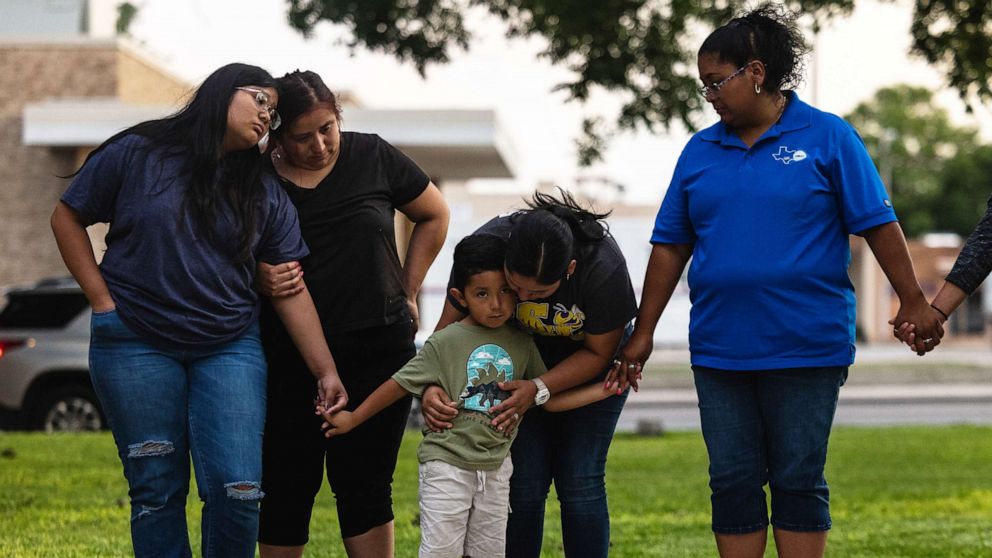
[(486, 385), (487, 366)]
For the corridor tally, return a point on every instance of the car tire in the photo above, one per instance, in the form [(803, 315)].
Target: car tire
[(68, 408)]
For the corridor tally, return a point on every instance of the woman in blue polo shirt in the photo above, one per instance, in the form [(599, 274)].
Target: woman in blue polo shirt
[(764, 202)]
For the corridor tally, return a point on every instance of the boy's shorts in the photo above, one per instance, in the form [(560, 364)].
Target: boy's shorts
[(463, 512)]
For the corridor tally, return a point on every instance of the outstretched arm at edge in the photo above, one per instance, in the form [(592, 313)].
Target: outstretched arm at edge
[(578, 397), (343, 422)]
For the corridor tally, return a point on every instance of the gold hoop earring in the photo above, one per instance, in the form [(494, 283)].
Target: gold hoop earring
[(757, 89)]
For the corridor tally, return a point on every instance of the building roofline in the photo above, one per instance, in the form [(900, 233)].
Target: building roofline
[(451, 143), (54, 41)]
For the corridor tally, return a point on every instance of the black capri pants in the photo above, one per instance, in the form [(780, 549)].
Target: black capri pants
[(359, 464)]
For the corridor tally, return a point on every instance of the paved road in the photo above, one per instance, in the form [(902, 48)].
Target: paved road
[(872, 405)]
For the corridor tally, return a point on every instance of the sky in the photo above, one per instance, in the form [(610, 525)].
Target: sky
[(853, 57)]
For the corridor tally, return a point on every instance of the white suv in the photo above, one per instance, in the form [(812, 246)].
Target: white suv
[(44, 350)]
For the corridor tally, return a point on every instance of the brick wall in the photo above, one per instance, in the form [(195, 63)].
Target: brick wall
[(29, 186), (34, 71)]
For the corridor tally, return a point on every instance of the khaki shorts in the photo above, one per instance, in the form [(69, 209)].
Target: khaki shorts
[(463, 512)]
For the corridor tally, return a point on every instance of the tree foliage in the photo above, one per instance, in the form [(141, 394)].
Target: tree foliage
[(126, 14), (636, 48), (937, 172)]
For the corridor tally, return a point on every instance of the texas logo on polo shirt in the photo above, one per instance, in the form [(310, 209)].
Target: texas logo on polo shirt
[(786, 155)]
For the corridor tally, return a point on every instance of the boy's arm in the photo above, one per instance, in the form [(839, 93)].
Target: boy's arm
[(578, 397), (343, 422)]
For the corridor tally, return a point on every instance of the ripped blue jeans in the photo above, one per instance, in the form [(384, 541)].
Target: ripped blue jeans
[(165, 406)]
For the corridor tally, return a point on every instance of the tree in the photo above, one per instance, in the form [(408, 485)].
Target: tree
[(126, 14), (934, 169), (635, 48), (964, 186)]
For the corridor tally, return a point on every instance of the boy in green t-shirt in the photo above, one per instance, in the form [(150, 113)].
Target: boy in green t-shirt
[(465, 470)]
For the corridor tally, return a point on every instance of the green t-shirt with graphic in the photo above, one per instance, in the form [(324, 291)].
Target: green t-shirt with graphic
[(468, 361)]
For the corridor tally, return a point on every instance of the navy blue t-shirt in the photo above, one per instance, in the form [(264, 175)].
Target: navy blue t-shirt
[(172, 286), (769, 227)]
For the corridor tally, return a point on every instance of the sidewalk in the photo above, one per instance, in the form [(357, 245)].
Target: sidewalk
[(889, 353), (868, 394), (887, 386)]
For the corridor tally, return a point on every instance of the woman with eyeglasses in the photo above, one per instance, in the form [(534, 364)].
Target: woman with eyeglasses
[(175, 354), (347, 188), (575, 298), (764, 202)]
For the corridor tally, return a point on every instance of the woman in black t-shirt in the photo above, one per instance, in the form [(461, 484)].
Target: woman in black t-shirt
[(346, 187), (575, 296)]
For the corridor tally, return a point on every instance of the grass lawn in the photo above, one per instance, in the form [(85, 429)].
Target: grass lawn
[(906, 492)]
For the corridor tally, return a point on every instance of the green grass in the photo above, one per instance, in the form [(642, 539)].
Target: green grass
[(906, 492)]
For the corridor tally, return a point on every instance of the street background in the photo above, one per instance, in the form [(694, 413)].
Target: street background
[(888, 385)]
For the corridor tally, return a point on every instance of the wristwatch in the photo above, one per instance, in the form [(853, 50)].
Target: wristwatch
[(543, 394)]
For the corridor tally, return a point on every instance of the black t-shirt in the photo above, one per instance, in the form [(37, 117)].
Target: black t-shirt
[(597, 298), (353, 271)]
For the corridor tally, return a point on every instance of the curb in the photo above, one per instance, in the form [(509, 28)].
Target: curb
[(886, 394)]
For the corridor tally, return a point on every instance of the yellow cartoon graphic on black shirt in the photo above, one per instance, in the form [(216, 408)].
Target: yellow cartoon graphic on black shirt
[(564, 322)]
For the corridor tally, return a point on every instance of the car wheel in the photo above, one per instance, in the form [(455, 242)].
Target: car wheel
[(69, 408)]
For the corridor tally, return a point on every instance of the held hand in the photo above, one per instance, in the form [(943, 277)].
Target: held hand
[(337, 424), (331, 395), (281, 280), (905, 332), (411, 303), (507, 414), (438, 411), (629, 365), (927, 323)]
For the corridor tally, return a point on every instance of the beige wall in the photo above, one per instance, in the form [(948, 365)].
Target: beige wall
[(140, 81), (29, 183)]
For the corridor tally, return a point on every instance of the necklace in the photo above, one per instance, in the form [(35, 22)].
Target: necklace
[(301, 177), (784, 100)]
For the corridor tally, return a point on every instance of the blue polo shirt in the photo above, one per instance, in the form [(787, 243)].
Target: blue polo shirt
[(769, 227)]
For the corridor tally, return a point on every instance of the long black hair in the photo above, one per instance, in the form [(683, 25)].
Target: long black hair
[(544, 237), (216, 179), (768, 33), (301, 92)]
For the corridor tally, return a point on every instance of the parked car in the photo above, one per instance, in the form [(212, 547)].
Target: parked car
[(44, 361), (44, 349)]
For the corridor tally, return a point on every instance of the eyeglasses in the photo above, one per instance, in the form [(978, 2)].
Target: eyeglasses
[(262, 98), (714, 88)]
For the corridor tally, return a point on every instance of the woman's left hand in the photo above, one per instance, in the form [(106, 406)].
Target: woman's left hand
[(508, 413), (281, 280), (629, 364), (331, 395), (918, 325)]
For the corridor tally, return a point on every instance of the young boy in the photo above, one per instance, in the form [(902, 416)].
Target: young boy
[(465, 470)]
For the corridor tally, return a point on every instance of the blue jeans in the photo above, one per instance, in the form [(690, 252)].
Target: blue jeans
[(768, 427), (163, 407), (569, 448)]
